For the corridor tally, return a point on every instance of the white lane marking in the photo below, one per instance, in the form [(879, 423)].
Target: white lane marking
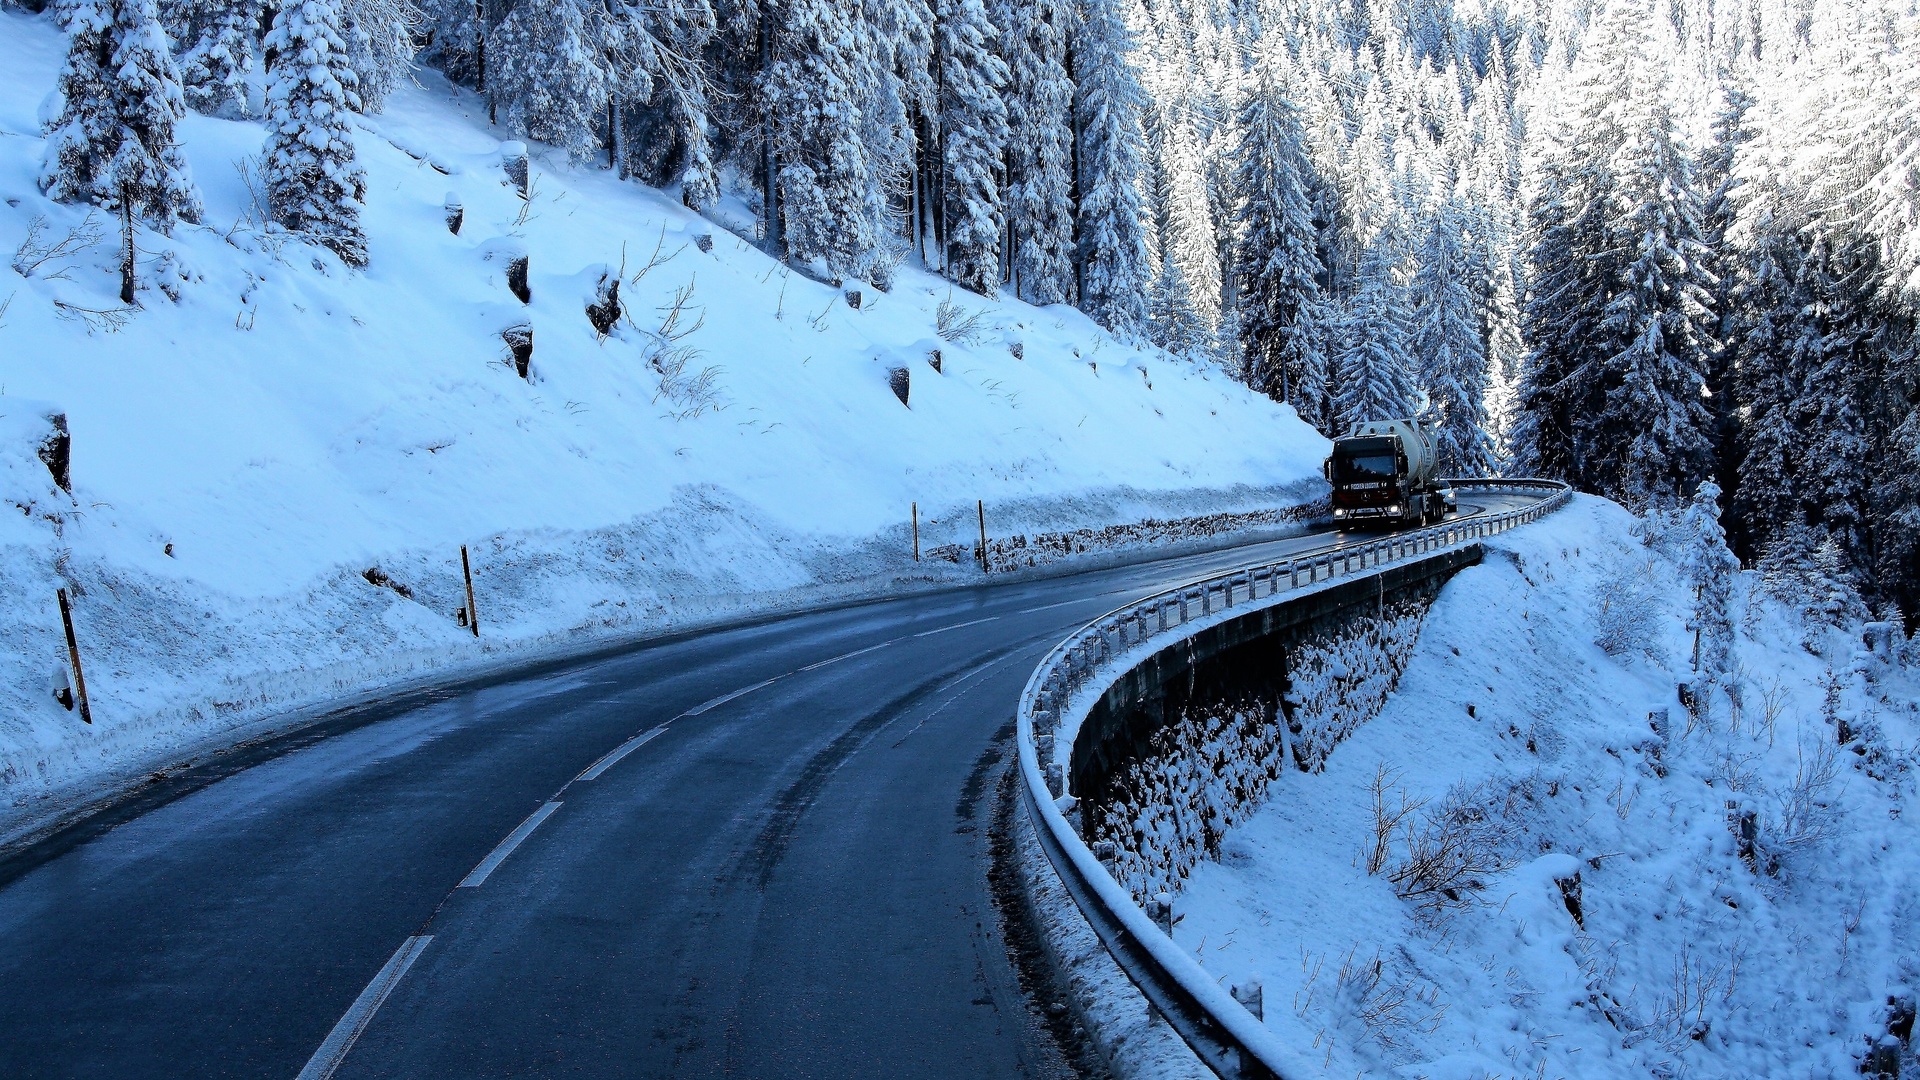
[(956, 626), (1063, 603), (334, 1049), (613, 756), (505, 848), (847, 656), (724, 698)]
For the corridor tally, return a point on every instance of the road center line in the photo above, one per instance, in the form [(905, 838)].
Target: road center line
[(505, 848), (956, 626), (1063, 603), (846, 656), (724, 698), (334, 1049), (613, 756)]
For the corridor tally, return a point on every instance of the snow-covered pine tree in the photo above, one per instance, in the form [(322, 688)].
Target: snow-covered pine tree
[(549, 75), (657, 125), (1373, 378), (213, 70), (452, 38), (1710, 568), (1186, 224), (315, 185), (1447, 346), (1717, 181), (1114, 258), (1767, 351), (113, 143), (973, 128), (1619, 316), (809, 93), (1039, 147), (1276, 261), (1174, 324), (1660, 321)]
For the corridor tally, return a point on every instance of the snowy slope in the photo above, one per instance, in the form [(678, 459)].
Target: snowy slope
[(241, 454), (1688, 960)]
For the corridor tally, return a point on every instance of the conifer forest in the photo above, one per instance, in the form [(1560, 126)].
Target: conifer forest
[(1636, 244)]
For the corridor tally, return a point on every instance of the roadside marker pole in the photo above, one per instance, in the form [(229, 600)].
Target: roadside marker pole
[(473, 615), (916, 532), (981, 507), (73, 654)]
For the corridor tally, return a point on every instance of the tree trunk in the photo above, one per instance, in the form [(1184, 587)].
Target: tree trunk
[(126, 247), (770, 176)]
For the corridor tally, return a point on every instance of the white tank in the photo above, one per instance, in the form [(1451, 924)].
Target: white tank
[(1416, 441)]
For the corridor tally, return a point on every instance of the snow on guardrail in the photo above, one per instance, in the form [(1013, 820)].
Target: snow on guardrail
[(1067, 683)]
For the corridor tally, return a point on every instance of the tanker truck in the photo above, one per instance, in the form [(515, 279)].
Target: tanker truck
[(1385, 471)]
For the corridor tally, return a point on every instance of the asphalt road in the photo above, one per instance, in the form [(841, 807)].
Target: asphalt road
[(756, 852)]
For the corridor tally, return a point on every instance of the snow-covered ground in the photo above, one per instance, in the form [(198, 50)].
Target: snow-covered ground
[(269, 426), (1681, 951)]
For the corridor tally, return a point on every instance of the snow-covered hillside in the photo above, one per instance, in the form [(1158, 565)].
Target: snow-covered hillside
[(1637, 893), (270, 426)]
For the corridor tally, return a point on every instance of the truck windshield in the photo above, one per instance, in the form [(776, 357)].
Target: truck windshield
[(1361, 461), (1363, 468)]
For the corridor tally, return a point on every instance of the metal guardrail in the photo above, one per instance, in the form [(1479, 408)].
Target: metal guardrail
[(1230, 1039)]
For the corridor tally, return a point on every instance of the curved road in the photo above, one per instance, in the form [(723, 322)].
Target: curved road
[(753, 852)]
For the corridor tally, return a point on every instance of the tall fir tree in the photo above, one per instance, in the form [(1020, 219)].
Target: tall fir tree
[(809, 92), (1276, 262), (1185, 219), (314, 183), (1174, 324), (114, 143), (1115, 266), (1710, 568), (1620, 314), (214, 69), (973, 126), (1447, 345), (1039, 148), (1660, 320), (658, 122), (1373, 377), (549, 73)]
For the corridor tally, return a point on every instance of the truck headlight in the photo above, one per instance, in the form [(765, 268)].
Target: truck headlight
[(1339, 513), (1394, 509)]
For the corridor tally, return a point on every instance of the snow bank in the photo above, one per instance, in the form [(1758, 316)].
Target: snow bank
[(270, 427), (1670, 898)]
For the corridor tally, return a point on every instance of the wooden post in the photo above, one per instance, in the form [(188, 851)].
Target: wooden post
[(73, 654), (473, 616), (981, 506), (916, 532)]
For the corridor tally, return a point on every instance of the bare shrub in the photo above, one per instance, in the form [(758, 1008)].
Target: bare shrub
[(1628, 616), (39, 250), (1376, 994), (690, 390), (1388, 814), (1680, 1016), (1451, 851), (1773, 705), (1806, 813), (675, 322), (96, 320), (956, 324)]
